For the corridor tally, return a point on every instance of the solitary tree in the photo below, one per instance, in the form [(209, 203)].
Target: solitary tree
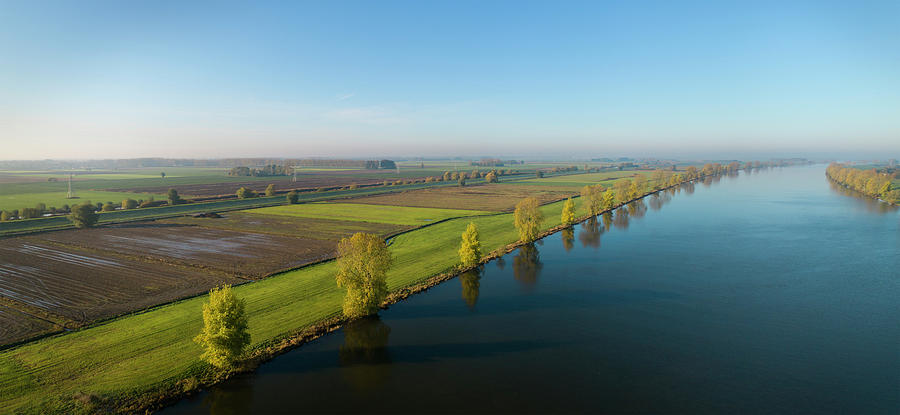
[(293, 197), (224, 335), (527, 219), (162, 174), (245, 193), (83, 215), (270, 190), (363, 261), (470, 249), (568, 212), (174, 198)]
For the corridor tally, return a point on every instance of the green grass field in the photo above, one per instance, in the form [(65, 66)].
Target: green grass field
[(135, 353), (58, 198), (574, 182), (397, 215)]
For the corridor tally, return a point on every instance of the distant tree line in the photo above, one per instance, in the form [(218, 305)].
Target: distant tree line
[(265, 171), (870, 182)]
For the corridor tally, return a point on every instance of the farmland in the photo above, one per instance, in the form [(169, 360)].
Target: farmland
[(398, 215), (490, 197), (115, 269), (148, 349)]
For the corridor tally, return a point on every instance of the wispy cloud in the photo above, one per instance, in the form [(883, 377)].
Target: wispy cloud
[(343, 97)]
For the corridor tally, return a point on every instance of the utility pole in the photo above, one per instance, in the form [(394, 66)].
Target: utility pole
[(70, 194)]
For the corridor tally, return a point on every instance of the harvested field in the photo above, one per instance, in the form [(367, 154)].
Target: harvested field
[(312, 228), (239, 254), (489, 197), (398, 215), (17, 326), (83, 286)]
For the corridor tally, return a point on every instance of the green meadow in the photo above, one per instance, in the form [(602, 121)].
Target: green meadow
[(395, 215)]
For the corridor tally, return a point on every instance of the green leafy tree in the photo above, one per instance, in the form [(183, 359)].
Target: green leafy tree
[(84, 215), (462, 180), (109, 207), (293, 197), (162, 174), (527, 219), (129, 204), (568, 212), (363, 261), (245, 193), (174, 198), (470, 248), (4, 216), (270, 190), (225, 334)]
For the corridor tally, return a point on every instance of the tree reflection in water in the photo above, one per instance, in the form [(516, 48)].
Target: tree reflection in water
[(233, 398), (501, 263), (607, 221), (659, 199), (527, 265), (688, 188), (568, 237), (869, 203), (620, 218), (637, 209), (590, 232), (471, 284), (364, 356)]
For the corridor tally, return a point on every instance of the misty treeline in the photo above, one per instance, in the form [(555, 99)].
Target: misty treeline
[(870, 182)]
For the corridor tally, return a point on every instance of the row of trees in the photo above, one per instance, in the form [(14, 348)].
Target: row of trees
[(265, 171), (869, 182)]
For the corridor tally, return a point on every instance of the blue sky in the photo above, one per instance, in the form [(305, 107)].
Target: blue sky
[(426, 78)]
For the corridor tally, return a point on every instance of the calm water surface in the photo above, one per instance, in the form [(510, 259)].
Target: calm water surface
[(770, 292)]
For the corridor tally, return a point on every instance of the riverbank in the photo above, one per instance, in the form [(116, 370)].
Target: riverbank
[(140, 361)]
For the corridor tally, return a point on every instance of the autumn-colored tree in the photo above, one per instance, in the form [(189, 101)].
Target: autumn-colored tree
[(225, 334), (491, 177), (270, 190), (129, 204), (109, 207), (5, 216), (608, 200), (470, 248), (622, 188), (592, 196), (568, 212), (527, 219), (363, 261)]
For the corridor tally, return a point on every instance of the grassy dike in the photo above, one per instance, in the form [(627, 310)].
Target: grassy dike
[(121, 360)]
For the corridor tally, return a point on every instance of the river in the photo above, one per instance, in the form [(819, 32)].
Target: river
[(769, 292)]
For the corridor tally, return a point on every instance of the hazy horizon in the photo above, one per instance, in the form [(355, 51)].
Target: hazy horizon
[(100, 80)]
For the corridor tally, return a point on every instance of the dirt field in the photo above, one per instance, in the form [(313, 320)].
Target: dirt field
[(83, 286), (491, 197), (239, 254), (311, 228), (16, 325)]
